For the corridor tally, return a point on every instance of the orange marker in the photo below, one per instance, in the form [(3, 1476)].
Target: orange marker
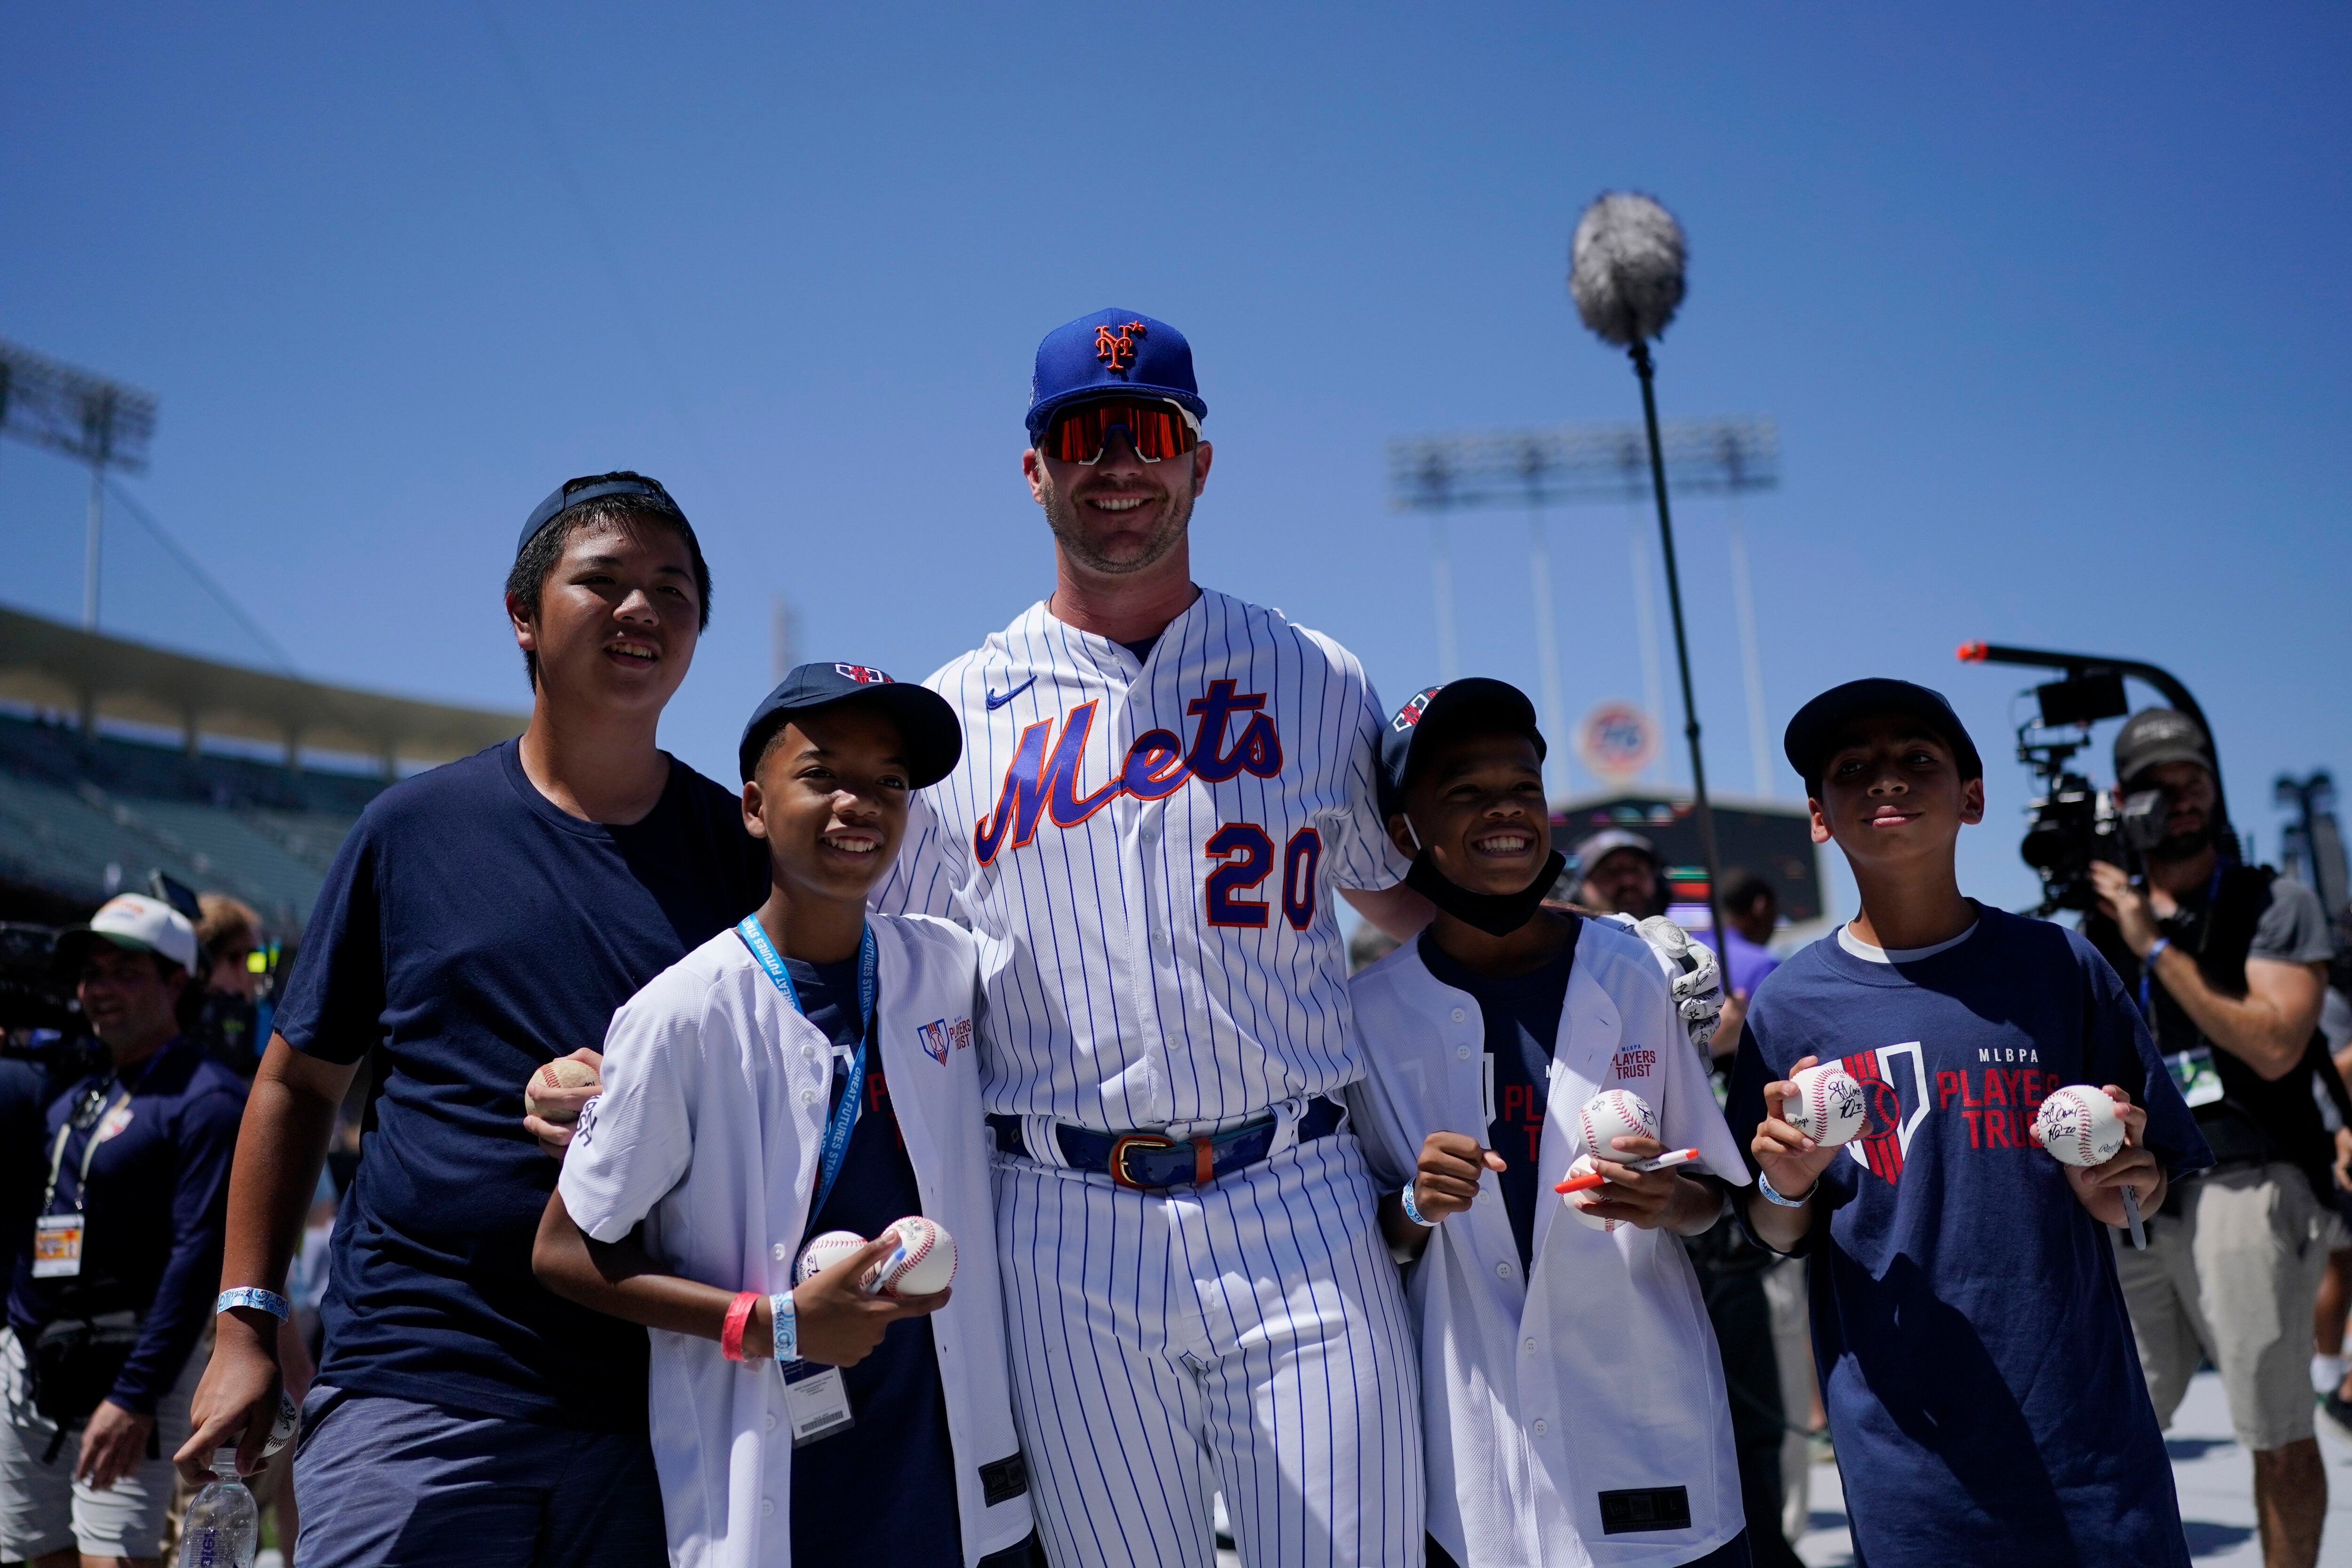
[(1663, 1163)]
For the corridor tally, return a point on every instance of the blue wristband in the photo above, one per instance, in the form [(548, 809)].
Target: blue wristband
[(1412, 1210), (2147, 959), (254, 1296), (1772, 1193), (787, 1328)]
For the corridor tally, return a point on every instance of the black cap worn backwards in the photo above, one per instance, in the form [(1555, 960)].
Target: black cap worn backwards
[(1818, 723), (934, 738), (2155, 735), (1475, 706), (566, 497)]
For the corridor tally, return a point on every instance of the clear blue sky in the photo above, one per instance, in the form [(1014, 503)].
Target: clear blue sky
[(2049, 304)]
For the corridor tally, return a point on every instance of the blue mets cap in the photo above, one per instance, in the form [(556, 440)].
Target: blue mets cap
[(1473, 706), (1820, 724), (1108, 353), (580, 493), (934, 738)]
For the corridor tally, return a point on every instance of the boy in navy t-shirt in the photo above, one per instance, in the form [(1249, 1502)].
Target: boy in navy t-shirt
[(481, 919), (1976, 1359)]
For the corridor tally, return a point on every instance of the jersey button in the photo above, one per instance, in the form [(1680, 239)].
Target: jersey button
[(808, 1053), (771, 1421), (808, 1097), (779, 1252), (1541, 1427), (1502, 1271), (1462, 1052), (1459, 1014), (1531, 1350), (768, 1505)]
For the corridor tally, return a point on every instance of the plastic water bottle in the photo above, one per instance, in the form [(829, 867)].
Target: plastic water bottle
[(223, 1526)]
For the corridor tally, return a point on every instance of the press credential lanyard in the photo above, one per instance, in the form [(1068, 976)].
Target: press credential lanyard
[(56, 1249), (844, 1115)]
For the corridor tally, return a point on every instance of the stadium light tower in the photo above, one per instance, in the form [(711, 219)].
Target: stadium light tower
[(1569, 465), (89, 418)]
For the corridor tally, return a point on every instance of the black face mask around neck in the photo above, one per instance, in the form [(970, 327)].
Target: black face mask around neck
[(1496, 914)]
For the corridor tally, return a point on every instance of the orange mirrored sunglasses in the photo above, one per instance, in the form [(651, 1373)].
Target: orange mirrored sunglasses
[(1157, 429)]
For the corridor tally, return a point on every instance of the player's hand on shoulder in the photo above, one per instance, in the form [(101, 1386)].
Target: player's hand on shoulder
[(1792, 1161), (554, 1094), (838, 1323), (1445, 1179), (2099, 1187)]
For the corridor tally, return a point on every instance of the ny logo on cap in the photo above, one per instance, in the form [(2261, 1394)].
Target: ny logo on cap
[(864, 674), (1410, 714), (1116, 350)]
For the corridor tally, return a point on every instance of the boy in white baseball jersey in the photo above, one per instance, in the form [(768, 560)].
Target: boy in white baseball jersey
[(1162, 790), (811, 1070), (1573, 1401)]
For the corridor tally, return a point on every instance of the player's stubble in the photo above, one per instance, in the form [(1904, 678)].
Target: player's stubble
[(1116, 546)]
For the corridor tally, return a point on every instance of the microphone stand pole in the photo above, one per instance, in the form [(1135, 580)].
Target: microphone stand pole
[(1640, 354)]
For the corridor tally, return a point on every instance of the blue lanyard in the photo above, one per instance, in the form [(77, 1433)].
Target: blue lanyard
[(844, 1115), (2212, 897)]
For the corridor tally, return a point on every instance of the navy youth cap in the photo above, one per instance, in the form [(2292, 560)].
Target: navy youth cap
[(1474, 705), (1107, 353), (1818, 723), (580, 493), (934, 738)]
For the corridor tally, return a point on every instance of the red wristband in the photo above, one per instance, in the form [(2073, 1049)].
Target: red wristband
[(738, 1312)]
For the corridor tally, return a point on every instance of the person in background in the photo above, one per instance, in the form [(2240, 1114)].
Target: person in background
[(231, 1024), (110, 1300), (1751, 911), (2229, 964), (1620, 875)]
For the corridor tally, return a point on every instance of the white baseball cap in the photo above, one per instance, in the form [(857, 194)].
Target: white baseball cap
[(136, 922)]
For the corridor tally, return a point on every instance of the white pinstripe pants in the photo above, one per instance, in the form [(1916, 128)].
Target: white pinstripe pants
[(1247, 1337)]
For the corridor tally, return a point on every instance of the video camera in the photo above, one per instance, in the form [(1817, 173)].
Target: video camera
[(2073, 823)]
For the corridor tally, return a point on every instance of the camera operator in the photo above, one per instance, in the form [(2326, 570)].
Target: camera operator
[(2229, 963), (108, 1299)]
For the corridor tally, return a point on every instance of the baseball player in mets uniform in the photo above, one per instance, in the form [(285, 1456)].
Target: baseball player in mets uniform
[(1162, 790)]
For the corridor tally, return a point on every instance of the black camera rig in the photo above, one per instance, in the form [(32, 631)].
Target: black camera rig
[(2073, 824)]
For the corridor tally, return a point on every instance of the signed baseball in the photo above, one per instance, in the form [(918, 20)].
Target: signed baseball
[(1828, 1107), (921, 1264), (1576, 1201), (562, 1073), (1612, 1114), (825, 1252), (281, 1432), (2081, 1124)]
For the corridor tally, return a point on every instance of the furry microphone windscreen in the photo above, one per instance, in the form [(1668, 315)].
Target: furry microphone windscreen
[(1625, 267)]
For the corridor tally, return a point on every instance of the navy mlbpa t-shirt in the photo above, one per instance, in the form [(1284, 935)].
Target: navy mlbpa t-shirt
[(468, 932), (896, 1463), (1976, 1359)]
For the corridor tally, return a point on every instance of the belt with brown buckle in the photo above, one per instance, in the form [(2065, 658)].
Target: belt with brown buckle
[(1150, 1162)]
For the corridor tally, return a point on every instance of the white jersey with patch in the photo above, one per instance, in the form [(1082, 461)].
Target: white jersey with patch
[(1149, 851), (1574, 1416)]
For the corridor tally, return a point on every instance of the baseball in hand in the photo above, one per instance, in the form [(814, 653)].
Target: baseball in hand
[(2081, 1124), (281, 1432), (1612, 1114), (1828, 1106), (1585, 1167), (921, 1264), (825, 1252), (562, 1073)]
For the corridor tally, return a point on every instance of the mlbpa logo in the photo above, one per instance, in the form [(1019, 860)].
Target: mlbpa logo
[(1894, 1081), (1116, 350), (941, 1035), (864, 674), (1410, 714)]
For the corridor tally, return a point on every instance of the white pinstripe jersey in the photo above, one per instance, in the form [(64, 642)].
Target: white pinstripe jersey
[(1149, 854)]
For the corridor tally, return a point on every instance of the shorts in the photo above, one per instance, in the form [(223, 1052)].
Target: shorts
[(2231, 1276), (386, 1483), (43, 1509)]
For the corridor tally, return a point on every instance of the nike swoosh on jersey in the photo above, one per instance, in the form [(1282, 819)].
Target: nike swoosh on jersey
[(995, 701)]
